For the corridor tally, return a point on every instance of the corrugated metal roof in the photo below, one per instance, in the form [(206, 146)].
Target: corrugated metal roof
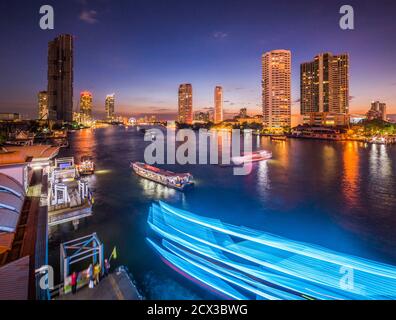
[(36, 151), (12, 197), (14, 280), (6, 240), (8, 220), (11, 201), (11, 185)]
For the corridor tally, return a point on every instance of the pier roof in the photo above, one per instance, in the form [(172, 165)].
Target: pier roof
[(9, 184), (35, 151), (12, 197)]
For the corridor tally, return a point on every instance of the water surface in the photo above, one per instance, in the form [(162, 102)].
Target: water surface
[(341, 195)]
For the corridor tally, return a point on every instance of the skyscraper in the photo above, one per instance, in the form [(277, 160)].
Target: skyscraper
[(377, 111), (60, 78), (276, 87), (325, 84), (109, 106), (185, 104), (86, 100), (218, 102), (43, 105), (243, 113)]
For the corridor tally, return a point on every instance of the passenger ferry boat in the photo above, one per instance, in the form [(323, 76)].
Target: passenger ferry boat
[(178, 181), (256, 156), (279, 138), (86, 167)]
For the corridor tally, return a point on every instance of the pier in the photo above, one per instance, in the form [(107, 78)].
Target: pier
[(69, 197), (116, 286), (78, 254)]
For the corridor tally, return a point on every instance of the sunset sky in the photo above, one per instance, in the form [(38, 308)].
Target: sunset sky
[(143, 49)]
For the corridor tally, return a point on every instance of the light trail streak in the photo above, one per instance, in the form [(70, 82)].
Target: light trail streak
[(187, 268), (294, 270)]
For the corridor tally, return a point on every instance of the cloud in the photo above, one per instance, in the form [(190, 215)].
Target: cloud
[(89, 16), (351, 98), (162, 109), (220, 35)]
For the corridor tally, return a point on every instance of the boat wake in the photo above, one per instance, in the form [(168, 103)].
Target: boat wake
[(242, 263)]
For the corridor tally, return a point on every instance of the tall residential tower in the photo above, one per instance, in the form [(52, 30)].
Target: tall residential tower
[(185, 114), (86, 100), (60, 78), (325, 84), (276, 87), (218, 103), (43, 105), (109, 106)]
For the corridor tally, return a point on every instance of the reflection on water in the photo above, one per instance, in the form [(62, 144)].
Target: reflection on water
[(339, 195), (380, 163), (156, 190), (350, 181), (263, 181), (329, 165)]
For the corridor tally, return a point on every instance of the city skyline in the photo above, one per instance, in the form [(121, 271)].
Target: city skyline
[(220, 53)]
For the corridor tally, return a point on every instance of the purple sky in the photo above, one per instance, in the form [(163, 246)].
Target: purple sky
[(142, 50)]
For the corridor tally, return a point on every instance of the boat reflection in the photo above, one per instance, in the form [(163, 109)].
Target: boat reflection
[(154, 190)]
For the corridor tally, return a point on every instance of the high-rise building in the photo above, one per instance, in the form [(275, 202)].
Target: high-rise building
[(325, 84), (201, 116), (377, 111), (86, 101), (60, 78), (218, 102), (243, 113), (185, 104), (43, 105), (276, 87), (110, 106)]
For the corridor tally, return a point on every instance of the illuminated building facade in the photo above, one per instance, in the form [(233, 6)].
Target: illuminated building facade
[(243, 113), (218, 101), (377, 111), (110, 106), (201, 116), (86, 101), (43, 105), (325, 84), (60, 78), (185, 114), (326, 119), (276, 89)]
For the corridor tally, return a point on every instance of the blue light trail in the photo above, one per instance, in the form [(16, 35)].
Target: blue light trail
[(245, 263)]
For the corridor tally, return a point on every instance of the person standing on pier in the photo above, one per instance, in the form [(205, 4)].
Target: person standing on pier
[(74, 282), (107, 267), (97, 274), (91, 276)]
